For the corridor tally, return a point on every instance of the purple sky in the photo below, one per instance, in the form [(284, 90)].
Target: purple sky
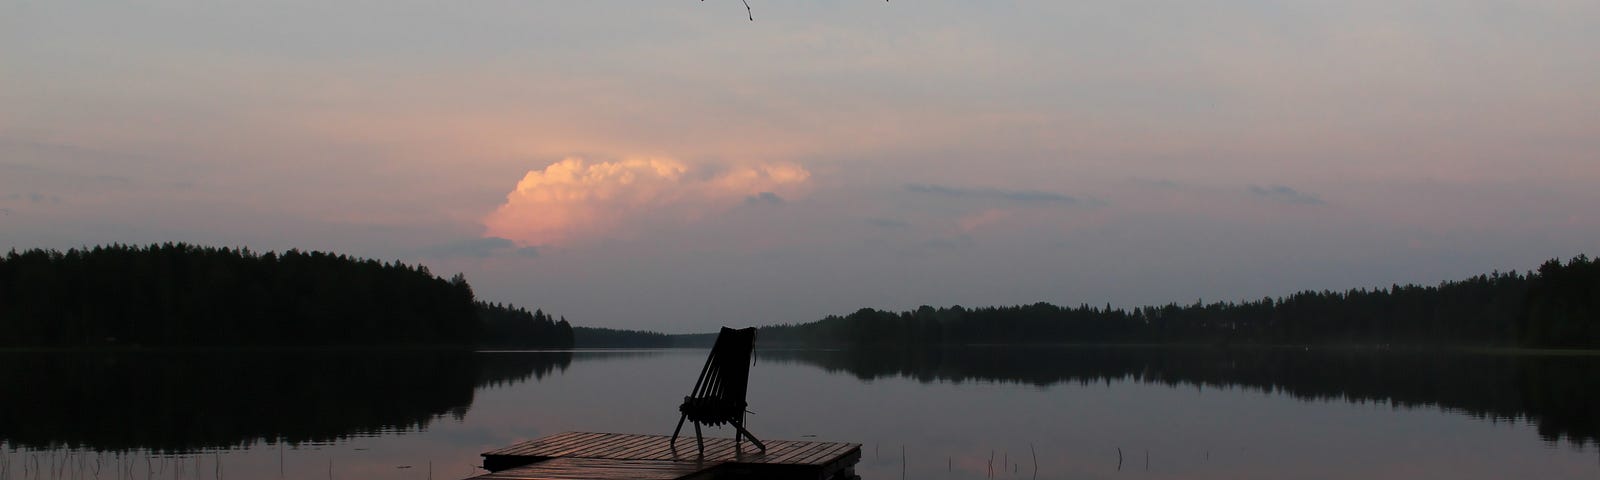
[(673, 166)]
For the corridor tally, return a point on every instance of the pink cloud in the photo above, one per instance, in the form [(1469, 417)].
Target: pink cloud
[(576, 199)]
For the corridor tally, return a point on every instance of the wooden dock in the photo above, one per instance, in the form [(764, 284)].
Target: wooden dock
[(605, 456)]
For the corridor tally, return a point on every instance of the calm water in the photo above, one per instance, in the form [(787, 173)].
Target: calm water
[(973, 413)]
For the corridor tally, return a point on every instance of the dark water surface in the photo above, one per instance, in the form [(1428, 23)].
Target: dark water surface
[(1054, 413)]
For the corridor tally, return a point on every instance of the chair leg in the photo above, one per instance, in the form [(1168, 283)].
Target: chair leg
[(739, 430), (698, 441), (674, 442)]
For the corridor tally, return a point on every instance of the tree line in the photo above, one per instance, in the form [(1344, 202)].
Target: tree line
[(181, 295), (510, 326), (594, 337), (1556, 306)]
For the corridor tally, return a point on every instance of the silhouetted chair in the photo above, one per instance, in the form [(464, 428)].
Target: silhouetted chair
[(718, 396)]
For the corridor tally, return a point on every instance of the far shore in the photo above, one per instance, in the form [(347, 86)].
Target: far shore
[(1381, 348)]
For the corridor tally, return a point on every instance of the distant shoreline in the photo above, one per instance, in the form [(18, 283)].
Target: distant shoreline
[(181, 296), (1515, 351), (1320, 348), (252, 348)]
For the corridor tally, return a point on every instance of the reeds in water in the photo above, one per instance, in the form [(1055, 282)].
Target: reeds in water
[(96, 465)]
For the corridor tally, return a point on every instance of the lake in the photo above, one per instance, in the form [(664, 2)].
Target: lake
[(1048, 413)]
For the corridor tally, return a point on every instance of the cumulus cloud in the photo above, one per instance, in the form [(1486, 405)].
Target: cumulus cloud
[(1285, 194), (1021, 196), (577, 198)]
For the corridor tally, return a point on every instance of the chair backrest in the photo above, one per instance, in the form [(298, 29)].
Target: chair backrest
[(727, 372)]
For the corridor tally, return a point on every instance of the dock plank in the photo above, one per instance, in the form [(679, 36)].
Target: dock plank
[(574, 447), (631, 448), (784, 447), (794, 452), (598, 448), (833, 451), (600, 469), (773, 448), (530, 447), (602, 456), (822, 456), (546, 448), (795, 456)]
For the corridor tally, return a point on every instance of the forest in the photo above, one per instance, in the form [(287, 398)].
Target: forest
[(1555, 306), (180, 295), (595, 337), (509, 326)]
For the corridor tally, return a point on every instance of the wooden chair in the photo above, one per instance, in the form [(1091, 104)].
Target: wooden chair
[(718, 396)]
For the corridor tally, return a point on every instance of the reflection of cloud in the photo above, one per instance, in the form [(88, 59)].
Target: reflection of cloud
[(479, 248), (1025, 196), (1285, 194), (575, 198)]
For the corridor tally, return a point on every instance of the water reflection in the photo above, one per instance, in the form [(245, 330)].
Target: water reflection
[(1560, 394), (178, 402), (1197, 412)]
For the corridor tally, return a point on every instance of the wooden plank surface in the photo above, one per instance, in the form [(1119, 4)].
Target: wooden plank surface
[(607, 456), (600, 469), (617, 446), (833, 450), (525, 448)]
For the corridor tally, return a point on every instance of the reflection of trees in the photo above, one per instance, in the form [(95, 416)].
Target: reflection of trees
[(180, 402), (1560, 394), (497, 369)]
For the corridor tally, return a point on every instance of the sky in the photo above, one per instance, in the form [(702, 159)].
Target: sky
[(676, 166)]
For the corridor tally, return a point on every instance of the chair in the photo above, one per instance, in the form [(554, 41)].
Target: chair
[(718, 396)]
